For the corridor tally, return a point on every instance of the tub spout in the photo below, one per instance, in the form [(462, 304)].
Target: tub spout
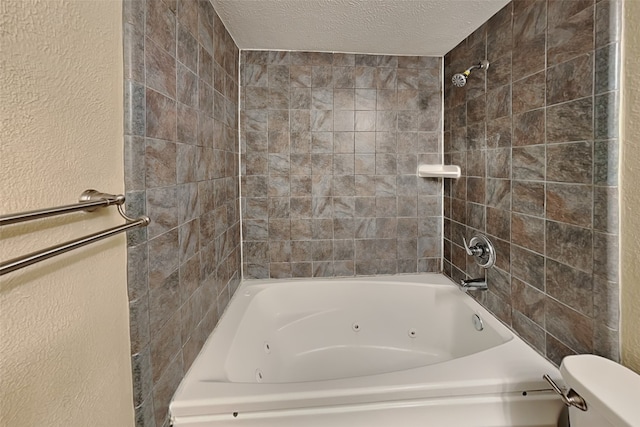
[(479, 284)]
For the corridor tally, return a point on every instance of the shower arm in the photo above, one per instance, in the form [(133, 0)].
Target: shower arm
[(481, 65)]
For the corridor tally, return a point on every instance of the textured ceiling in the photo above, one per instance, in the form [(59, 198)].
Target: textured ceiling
[(394, 27)]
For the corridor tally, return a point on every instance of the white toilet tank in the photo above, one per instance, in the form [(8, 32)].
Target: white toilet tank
[(611, 391)]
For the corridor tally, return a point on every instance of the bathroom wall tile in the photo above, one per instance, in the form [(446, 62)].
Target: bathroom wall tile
[(498, 307), (570, 37), (571, 121), (476, 216), (606, 116), (528, 301), (607, 69), (606, 302), (528, 197), (528, 128), (142, 378), (527, 266), (135, 171), (499, 132), (189, 277), (134, 108), (499, 102), (164, 389), (607, 22), (529, 331), (499, 163), (499, 72), (177, 106), (500, 283), (164, 301), (560, 126), (475, 112), (476, 137), (499, 193), (498, 223), (162, 207), (161, 25), (570, 162), (135, 205), (280, 251), (139, 324), (606, 342), (144, 415), (133, 47), (476, 191), (187, 125), (569, 203), (605, 209), (499, 32), (477, 163), (570, 245), (529, 55), (570, 80), (137, 271), (570, 286), (528, 163), (605, 162), (160, 116), (556, 350), (605, 255), (187, 86), (528, 232), (571, 327), (160, 69), (188, 236), (528, 93)]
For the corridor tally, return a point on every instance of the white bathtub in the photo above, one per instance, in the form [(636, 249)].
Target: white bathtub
[(395, 350)]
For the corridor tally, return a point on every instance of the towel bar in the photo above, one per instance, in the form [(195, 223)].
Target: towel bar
[(90, 200)]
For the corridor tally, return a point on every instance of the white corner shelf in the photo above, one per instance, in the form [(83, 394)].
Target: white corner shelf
[(439, 171)]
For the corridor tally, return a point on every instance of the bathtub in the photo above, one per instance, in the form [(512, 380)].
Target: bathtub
[(395, 350)]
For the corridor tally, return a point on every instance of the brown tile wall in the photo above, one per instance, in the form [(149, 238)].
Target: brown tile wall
[(330, 147), (181, 169), (536, 137)]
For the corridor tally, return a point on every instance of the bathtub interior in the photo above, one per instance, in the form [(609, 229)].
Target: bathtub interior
[(350, 329), (502, 375)]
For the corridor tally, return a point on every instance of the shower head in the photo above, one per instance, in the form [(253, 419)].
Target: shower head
[(460, 79)]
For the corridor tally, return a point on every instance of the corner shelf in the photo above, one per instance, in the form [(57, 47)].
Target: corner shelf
[(439, 171)]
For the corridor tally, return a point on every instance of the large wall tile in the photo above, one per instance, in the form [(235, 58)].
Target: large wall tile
[(181, 93), (537, 135), (339, 164)]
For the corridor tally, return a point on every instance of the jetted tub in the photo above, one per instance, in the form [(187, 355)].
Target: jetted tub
[(395, 350)]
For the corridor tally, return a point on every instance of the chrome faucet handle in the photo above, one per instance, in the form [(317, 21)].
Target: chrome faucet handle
[(473, 250), (481, 248)]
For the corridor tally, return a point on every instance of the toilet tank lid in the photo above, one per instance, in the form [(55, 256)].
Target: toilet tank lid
[(608, 387)]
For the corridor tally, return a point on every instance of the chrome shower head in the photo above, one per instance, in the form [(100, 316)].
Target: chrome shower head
[(460, 79)]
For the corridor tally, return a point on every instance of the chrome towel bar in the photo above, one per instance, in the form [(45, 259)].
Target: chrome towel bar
[(90, 200)]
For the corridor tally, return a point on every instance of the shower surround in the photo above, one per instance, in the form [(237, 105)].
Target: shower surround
[(181, 169), (537, 143), (329, 151), (330, 148)]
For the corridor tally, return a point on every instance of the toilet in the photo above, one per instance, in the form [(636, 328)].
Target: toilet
[(610, 391)]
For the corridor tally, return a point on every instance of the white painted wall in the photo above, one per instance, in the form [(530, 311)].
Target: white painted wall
[(630, 190), (64, 339)]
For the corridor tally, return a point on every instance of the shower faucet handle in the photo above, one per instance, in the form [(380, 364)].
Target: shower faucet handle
[(475, 250), (481, 248)]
